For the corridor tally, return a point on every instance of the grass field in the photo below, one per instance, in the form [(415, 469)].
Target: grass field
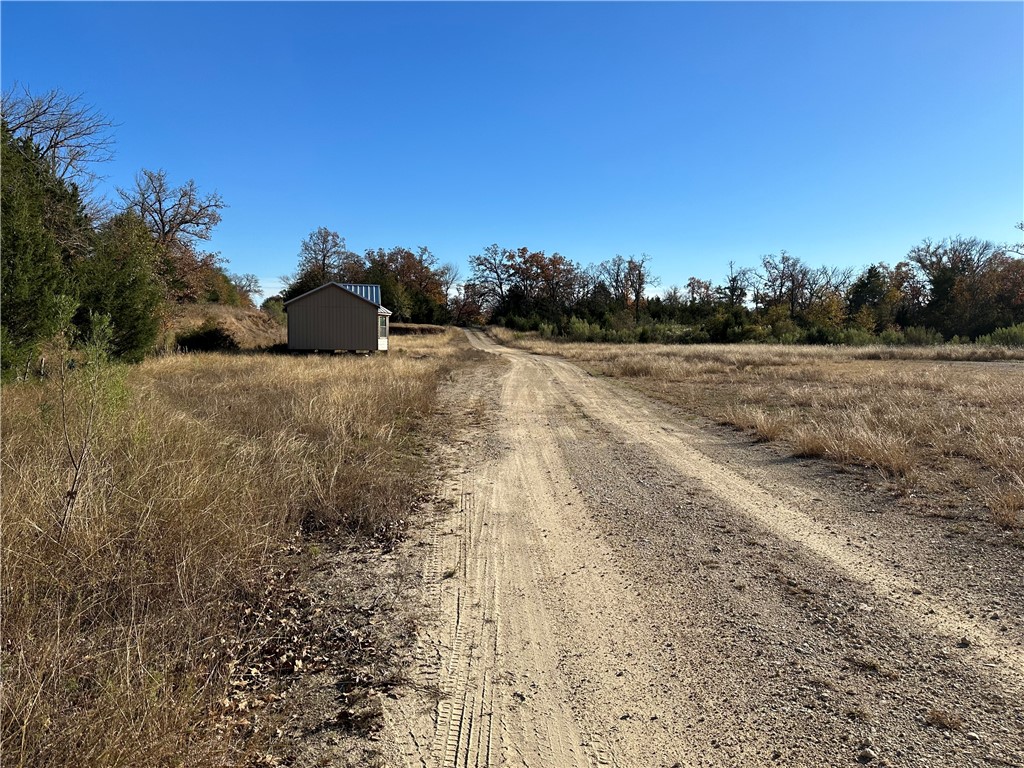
[(946, 421), (143, 510)]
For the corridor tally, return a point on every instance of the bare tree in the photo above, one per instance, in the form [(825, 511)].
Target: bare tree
[(322, 254), (448, 275), (1017, 248), (638, 279), (71, 135), (783, 281), (175, 215), (613, 274), (246, 283)]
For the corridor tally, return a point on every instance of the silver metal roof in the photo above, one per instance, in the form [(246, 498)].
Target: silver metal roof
[(364, 291)]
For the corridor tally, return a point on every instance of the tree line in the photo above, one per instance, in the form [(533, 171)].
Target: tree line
[(960, 288), (71, 259)]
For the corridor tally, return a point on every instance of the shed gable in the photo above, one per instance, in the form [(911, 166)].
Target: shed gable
[(332, 317)]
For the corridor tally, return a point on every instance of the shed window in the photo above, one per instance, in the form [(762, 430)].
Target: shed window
[(382, 330)]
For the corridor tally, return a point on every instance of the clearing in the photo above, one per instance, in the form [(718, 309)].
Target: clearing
[(609, 582)]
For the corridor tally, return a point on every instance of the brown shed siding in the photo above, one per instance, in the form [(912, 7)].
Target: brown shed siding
[(332, 318)]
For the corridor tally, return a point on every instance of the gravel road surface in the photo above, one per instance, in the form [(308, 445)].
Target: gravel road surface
[(607, 582)]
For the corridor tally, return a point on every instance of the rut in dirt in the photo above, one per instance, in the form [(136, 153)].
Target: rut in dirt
[(614, 586)]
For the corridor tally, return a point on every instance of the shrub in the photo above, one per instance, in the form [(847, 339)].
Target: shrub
[(857, 337), (917, 336), (209, 337), (892, 337), (1011, 336), (274, 306)]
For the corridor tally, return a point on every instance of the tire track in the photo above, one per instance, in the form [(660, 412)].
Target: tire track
[(606, 592)]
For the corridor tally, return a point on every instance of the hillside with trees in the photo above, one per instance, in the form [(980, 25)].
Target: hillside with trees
[(130, 262)]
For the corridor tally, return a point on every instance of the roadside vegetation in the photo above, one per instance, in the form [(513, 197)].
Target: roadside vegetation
[(151, 517), (944, 423), (959, 289)]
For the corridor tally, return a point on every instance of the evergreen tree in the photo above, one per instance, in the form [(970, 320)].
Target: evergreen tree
[(32, 273), (119, 280)]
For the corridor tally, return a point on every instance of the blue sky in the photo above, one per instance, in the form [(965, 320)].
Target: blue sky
[(698, 133)]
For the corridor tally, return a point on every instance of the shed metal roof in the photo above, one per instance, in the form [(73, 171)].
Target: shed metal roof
[(364, 291)]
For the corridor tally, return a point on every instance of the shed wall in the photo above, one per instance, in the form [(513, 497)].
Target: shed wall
[(332, 319)]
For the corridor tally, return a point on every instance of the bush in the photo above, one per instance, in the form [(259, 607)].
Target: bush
[(274, 307), (209, 337), (917, 336), (582, 330), (1011, 336), (892, 337), (857, 337)]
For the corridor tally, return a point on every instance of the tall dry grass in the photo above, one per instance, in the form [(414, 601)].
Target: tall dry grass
[(119, 626), (948, 421)]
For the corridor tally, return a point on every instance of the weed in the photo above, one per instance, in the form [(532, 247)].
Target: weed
[(939, 718)]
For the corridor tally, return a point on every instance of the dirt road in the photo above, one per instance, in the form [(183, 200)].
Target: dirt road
[(609, 584)]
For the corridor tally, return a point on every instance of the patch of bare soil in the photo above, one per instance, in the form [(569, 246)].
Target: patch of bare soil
[(606, 582)]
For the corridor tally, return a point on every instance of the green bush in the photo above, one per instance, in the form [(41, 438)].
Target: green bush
[(892, 337), (1011, 336), (857, 337), (274, 306), (917, 336)]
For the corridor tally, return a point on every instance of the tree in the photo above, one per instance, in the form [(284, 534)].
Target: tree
[(321, 255), (955, 272), (738, 283), (613, 275), (699, 292), (492, 275), (33, 276), (448, 276), (783, 281), (466, 305), (177, 217), (638, 279), (1016, 247), (246, 285), (876, 299), (119, 281), (70, 136)]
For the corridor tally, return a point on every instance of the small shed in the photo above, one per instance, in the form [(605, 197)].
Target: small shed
[(336, 317)]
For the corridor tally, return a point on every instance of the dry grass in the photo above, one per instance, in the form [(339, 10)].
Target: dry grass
[(250, 328), (945, 420), (940, 718), (118, 627)]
